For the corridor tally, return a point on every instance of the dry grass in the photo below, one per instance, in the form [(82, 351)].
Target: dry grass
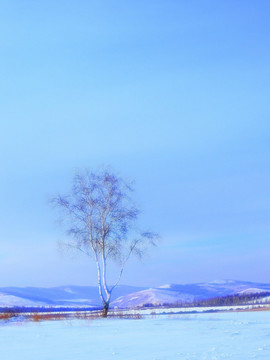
[(261, 308), (82, 315), (121, 315), (7, 316), (46, 317)]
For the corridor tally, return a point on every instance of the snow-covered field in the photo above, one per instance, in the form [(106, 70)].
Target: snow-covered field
[(194, 309), (231, 335)]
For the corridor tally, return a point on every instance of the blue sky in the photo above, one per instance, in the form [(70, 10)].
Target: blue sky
[(173, 94)]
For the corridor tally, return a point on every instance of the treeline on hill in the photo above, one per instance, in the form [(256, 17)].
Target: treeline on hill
[(238, 299)]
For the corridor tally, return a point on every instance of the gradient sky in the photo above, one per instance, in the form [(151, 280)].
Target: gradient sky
[(174, 94)]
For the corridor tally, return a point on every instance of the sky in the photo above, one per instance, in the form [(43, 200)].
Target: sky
[(173, 94)]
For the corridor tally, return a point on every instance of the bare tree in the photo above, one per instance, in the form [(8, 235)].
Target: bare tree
[(100, 217)]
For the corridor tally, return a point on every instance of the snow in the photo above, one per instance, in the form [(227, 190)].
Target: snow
[(61, 295), (251, 291), (126, 296), (234, 336), (265, 299), (194, 309), (10, 300), (166, 286), (221, 282), (173, 293), (69, 290), (150, 296)]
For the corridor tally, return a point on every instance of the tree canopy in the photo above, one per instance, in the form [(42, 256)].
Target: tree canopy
[(101, 220)]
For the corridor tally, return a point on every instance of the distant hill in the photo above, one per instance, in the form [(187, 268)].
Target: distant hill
[(58, 296), (126, 296), (174, 293)]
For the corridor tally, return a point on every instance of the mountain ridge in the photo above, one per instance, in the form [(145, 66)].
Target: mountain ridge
[(125, 296), (177, 293)]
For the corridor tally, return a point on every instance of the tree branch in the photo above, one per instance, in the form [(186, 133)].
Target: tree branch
[(123, 265)]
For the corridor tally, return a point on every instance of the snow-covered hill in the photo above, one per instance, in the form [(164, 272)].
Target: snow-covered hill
[(156, 296), (173, 293), (126, 296), (58, 296), (11, 300)]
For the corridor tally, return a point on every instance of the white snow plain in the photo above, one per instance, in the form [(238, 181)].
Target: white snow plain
[(231, 335)]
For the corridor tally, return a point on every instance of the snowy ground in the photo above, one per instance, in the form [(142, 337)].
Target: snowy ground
[(194, 309), (231, 335)]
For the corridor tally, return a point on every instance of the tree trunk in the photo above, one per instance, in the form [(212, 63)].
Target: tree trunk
[(105, 310)]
